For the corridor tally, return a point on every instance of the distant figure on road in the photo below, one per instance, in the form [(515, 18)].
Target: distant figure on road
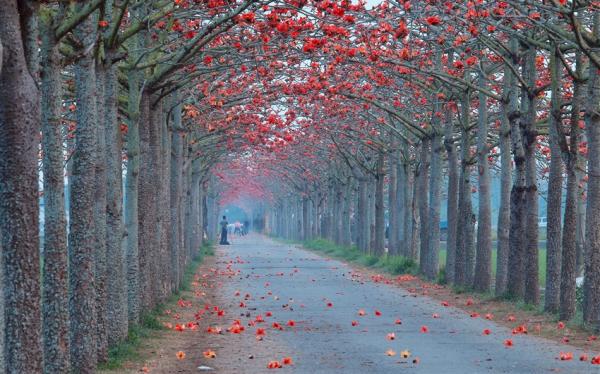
[(238, 228), (224, 225), (246, 227)]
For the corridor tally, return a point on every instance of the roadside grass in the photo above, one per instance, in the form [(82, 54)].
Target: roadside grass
[(391, 264), (150, 325)]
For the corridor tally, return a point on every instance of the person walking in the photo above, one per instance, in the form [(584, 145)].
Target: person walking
[(224, 225)]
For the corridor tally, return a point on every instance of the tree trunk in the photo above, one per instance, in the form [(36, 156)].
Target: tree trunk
[(555, 181), (591, 289), (483, 264), (516, 256), (504, 209), (415, 223), (433, 253), (394, 230), (82, 239), (19, 212), (138, 110), (55, 299), (379, 207), (423, 192), (100, 220), (176, 190), (568, 268), (361, 221), (532, 289), (452, 208)]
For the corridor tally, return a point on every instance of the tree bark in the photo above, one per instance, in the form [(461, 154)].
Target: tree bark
[(504, 209), (452, 208), (591, 289), (379, 207), (101, 179), (394, 230), (555, 181), (116, 285), (55, 298), (483, 264), (532, 289), (19, 212), (82, 239), (423, 192), (435, 199)]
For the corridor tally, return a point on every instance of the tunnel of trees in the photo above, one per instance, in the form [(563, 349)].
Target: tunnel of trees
[(126, 124)]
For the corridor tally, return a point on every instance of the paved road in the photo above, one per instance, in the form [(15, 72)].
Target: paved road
[(324, 341)]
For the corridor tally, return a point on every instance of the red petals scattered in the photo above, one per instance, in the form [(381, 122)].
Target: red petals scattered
[(377, 313), (487, 331), (361, 312), (445, 303), (560, 325), (596, 360), (274, 365), (566, 356), (508, 343), (291, 323), (424, 329), (287, 361), (354, 323), (398, 322)]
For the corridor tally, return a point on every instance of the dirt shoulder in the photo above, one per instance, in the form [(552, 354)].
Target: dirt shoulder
[(199, 322)]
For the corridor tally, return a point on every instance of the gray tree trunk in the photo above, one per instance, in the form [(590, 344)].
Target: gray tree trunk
[(504, 209), (176, 190), (555, 181), (423, 192), (394, 230), (591, 289), (435, 199), (516, 256), (452, 208), (100, 220), (55, 298), (361, 221), (415, 222), (483, 264), (568, 268), (379, 207), (116, 286), (82, 239), (19, 211), (532, 289)]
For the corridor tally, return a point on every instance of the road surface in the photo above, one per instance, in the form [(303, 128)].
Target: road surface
[(324, 296)]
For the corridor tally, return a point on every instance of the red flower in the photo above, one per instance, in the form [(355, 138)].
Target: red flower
[(424, 329), (354, 323), (487, 332), (433, 20), (508, 343), (377, 313)]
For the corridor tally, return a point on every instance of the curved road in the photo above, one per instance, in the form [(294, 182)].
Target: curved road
[(299, 285)]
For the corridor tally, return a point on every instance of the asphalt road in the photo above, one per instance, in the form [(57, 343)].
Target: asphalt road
[(324, 296)]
